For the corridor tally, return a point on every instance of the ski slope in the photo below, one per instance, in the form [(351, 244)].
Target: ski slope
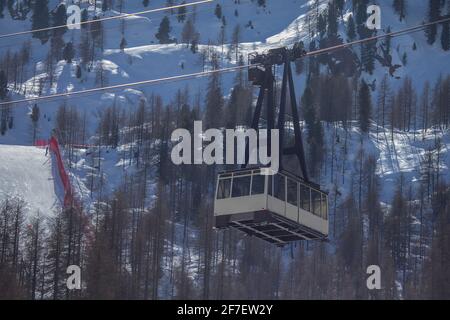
[(26, 172)]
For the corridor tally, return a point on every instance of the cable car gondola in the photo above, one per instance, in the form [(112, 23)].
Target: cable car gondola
[(286, 206), (279, 209)]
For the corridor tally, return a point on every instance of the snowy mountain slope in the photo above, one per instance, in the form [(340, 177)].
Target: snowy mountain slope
[(280, 23), (424, 64), (27, 172), (401, 155), (143, 59), (286, 23)]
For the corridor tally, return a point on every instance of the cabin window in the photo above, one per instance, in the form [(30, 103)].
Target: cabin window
[(279, 187), (305, 197), (316, 201), (224, 189), (292, 192), (241, 186), (258, 184)]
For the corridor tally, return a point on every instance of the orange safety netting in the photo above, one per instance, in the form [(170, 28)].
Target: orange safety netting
[(54, 147), (68, 195), (70, 200)]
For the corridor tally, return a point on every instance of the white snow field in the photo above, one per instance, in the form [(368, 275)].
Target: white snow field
[(26, 172)]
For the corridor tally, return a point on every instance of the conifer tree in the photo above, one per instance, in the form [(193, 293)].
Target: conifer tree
[(214, 99), (163, 34), (40, 20), (351, 29), (59, 18), (445, 36), (321, 25), (332, 23), (3, 85), (314, 130), (78, 72), (388, 40), (361, 18), (84, 18), (181, 13), (434, 12), (365, 107), (368, 52), (69, 52), (405, 59), (339, 5), (218, 11), (123, 44), (35, 115), (194, 44), (400, 8), (2, 7), (188, 33), (309, 112)]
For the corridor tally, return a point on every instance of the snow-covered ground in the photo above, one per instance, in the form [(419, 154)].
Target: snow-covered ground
[(280, 23), (397, 155), (26, 172)]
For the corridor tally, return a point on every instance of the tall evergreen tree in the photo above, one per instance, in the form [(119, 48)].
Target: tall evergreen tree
[(218, 11), (400, 8), (40, 20), (434, 12), (2, 7), (59, 18), (78, 72), (314, 129), (388, 40), (69, 52), (181, 13), (332, 20), (35, 115), (309, 112), (163, 34), (361, 18), (351, 28), (3, 85), (368, 52), (339, 5), (214, 100), (188, 33), (405, 59), (123, 44), (365, 107), (445, 37), (321, 25), (84, 18)]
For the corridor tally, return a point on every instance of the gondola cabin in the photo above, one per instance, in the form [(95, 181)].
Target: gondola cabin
[(277, 208), (283, 207)]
